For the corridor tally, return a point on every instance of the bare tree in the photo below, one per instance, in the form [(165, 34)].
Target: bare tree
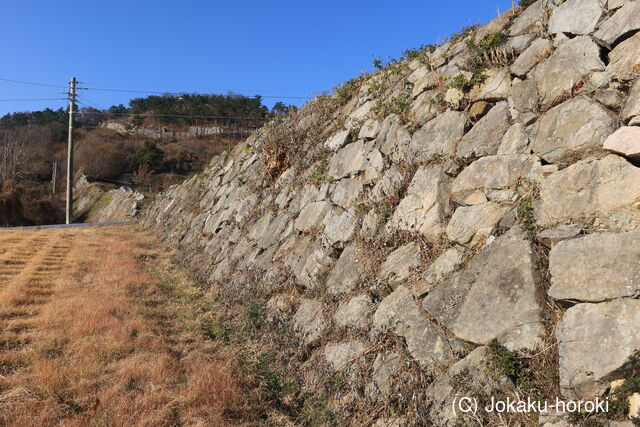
[(14, 158)]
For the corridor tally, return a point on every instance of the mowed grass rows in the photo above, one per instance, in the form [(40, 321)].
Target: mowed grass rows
[(97, 326)]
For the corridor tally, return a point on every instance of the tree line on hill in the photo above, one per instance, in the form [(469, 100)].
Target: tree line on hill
[(30, 142)]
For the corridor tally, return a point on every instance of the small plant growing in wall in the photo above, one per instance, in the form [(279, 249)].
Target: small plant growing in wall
[(400, 105)]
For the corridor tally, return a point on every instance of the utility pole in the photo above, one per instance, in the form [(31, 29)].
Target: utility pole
[(72, 104), (54, 176)]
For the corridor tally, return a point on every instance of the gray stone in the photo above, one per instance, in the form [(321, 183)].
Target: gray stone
[(632, 107), (570, 63), (431, 348), (576, 17), (444, 265), (312, 216), (551, 236), (624, 60), (495, 87), (613, 328), (308, 194), (587, 189), (360, 113), (501, 172), (600, 79), (396, 139), (418, 73), (624, 21), (388, 185), (340, 355), (615, 4), (571, 131), (427, 80), (484, 138), (346, 192), (309, 322), (524, 97), (339, 229), (354, 313), (268, 230), (400, 264), (538, 51), (495, 296), (596, 267), (386, 138), (470, 376), (425, 107), (350, 160), (611, 98), (426, 205), (625, 141), (385, 367), (373, 167), (520, 43), (338, 141), (515, 141), (471, 225), (529, 21), (438, 136), (454, 97), (370, 225), (369, 130), (312, 266), (350, 268)]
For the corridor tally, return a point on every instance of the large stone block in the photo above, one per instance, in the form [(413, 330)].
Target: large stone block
[(538, 51), (495, 296), (501, 172), (426, 204), (586, 190), (430, 347), (572, 130), (438, 136), (571, 62), (485, 137), (471, 225), (625, 20), (400, 264), (625, 141), (596, 343), (309, 322), (576, 17), (596, 268)]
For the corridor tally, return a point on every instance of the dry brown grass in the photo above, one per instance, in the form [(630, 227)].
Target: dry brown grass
[(97, 326)]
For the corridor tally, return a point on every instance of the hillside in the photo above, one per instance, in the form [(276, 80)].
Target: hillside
[(156, 142), (461, 222)]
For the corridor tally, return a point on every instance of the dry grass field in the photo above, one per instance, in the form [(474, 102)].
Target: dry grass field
[(98, 326)]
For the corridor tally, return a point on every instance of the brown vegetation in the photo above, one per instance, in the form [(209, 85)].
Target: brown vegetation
[(95, 336)]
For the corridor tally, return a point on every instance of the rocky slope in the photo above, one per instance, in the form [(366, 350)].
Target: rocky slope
[(462, 222), (92, 203)]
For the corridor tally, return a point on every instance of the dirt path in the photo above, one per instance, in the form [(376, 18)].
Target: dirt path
[(97, 326)]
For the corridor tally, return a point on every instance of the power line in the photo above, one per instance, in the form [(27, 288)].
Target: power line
[(31, 83), (34, 99), (88, 101)]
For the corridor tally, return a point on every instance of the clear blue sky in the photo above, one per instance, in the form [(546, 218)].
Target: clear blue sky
[(275, 48)]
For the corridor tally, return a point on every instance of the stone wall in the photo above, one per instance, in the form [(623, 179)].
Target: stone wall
[(92, 203), (406, 229)]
